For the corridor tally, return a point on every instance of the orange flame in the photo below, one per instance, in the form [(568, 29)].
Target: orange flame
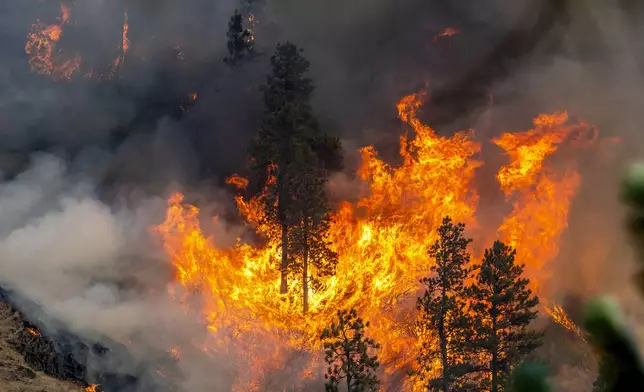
[(541, 196), (559, 316), (41, 44), (91, 388), (382, 242), (124, 47), (33, 331)]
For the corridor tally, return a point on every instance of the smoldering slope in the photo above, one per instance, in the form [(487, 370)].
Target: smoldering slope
[(94, 268)]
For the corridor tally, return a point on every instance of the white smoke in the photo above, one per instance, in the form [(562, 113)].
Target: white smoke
[(95, 268)]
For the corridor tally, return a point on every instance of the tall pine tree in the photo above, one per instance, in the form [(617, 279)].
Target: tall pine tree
[(443, 309), (240, 40), (348, 353), (503, 306), (291, 146), (309, 246)]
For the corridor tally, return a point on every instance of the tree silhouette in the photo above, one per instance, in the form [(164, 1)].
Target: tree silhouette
[(443, 309), (503, 306)]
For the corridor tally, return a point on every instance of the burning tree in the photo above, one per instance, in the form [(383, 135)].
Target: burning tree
[(309, 238), (444, 310), (503, 306), (347, 354), (240, 40), (293, 157)]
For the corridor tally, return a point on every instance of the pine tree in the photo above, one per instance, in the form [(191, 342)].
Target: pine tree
[(503, 306), (443, 309), (309, 246), (291, 145), (240, 40), (347, 352)]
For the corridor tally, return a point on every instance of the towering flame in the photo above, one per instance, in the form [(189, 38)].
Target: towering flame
[(382, 242), (41, 46), (541, 196)]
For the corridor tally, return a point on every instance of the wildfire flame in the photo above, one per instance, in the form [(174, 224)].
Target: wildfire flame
[(41, 48), (91, 388), (559, 316), (124, 47), (33, 331), (382, 242), (541, 196)]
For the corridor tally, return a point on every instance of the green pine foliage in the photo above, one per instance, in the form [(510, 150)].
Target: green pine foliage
[(443, 310), (503, 306), (349, 355)]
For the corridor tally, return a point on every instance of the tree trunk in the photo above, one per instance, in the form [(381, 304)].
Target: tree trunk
[(283, 285), (305, 266), (349, 372), (443, 344), (495, 352)]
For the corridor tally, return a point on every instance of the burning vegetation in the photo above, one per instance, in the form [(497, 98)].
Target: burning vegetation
[(44, 55), (385, 292), (380, 247)]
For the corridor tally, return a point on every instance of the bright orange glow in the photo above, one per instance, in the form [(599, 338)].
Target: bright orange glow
[(541, 196), (176, 354), (91, 388), (44, 57), (33, 331), (123, 49), (382, 242), (448, 32), (125, 41)]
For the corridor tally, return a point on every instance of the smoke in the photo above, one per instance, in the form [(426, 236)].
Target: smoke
[(95, 269)]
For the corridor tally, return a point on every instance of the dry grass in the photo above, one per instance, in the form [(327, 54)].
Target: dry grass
[(15, 374)]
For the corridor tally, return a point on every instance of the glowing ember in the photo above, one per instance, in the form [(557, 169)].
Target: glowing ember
[(176, 354), (33, 331), (125, 41), (382, 242), (41, 48), (448, 32)]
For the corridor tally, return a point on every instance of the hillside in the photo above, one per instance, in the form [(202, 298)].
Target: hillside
[(15, 374)]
